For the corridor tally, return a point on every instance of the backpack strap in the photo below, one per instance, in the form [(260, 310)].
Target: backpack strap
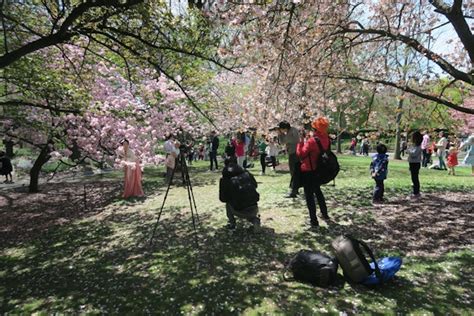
[(286, 271), (378, 274), (318, 141)]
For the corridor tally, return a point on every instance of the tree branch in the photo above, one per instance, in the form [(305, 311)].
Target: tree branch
[(405, 88), (37, 105), (174, 49), (65, 32), (417, 46)]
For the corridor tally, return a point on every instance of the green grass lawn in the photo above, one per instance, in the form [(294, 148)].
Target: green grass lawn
[(102, 262)]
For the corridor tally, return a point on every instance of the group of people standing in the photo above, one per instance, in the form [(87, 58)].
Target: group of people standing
[(447, 150), (303, 148), (419, 154), (241, 146), (364, 145)]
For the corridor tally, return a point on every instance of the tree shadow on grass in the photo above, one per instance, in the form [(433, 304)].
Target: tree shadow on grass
[(28, 215), (107, 265), (84, 267)]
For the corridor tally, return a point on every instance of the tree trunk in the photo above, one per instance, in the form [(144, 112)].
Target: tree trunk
[(36, 169), (398, 129), (339, 132)]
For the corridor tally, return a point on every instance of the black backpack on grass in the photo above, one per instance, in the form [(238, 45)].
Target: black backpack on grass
[(313, 267)]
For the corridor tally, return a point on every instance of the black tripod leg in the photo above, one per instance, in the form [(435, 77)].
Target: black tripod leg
[(185, 174), (192, 195), (163, 204)]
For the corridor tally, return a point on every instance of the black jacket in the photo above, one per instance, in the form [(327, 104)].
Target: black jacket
[(238, 187), (214, 143), (5, 165), (229, 150)]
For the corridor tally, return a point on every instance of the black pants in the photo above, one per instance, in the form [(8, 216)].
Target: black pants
[(292, 160), (250, 214), (415, 170), (213, 158), (263, 163), (274, 161), (378, 190), (311, 189)]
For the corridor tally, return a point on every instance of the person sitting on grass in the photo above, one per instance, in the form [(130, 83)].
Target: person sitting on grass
[(414, 159), (379, 171), (238, 190)]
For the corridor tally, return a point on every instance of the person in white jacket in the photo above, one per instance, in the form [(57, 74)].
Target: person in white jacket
[(272, 151), (441, 146)]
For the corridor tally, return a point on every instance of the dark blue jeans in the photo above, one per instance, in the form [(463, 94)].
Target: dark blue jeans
[(378, 190)]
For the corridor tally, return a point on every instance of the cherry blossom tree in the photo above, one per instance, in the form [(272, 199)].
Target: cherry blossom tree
[(67, 113), (138, 32), (300, 45)]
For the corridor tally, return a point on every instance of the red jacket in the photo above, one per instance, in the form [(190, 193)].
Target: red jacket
[(239, 148), (310, 149)]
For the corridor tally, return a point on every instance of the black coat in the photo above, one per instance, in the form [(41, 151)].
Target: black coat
[(214, 143), (229, 150), (5, 165), (238, 187)]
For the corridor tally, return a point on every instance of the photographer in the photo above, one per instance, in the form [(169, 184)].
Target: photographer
[(237, 188), (290, 136), (308, 151)]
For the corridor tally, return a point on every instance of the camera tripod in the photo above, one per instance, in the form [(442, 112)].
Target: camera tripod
[(181, 161)]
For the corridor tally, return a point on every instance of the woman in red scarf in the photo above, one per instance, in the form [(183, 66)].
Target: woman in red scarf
[(308, 151)]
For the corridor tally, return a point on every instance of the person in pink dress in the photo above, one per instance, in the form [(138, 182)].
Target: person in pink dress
[(133, 172)]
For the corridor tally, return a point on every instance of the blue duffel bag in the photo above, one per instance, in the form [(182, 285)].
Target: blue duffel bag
[(388, 266)]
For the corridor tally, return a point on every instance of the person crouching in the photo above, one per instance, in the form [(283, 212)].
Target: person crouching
[(238, 189)]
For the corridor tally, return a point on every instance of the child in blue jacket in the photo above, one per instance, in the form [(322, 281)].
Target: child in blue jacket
[(378, 171)]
